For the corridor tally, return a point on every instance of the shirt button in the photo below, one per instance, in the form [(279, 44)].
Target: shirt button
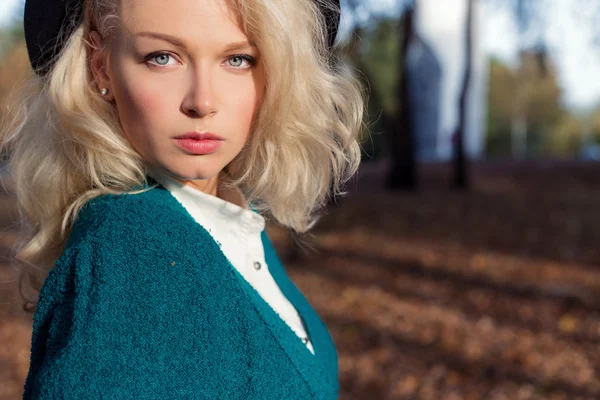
[(257, 265), (305, 340)]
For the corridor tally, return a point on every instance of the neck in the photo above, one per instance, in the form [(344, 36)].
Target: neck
[(208, 186)]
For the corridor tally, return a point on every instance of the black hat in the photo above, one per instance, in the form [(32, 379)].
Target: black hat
[(43, 20)]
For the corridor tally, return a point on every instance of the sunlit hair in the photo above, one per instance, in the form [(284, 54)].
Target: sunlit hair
[(67, 146)]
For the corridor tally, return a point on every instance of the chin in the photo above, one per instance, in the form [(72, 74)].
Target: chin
[(188, 174)]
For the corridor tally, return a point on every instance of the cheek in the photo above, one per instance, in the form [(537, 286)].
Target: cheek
[(246, 108), (142, 104), (245, 105), (143, 114)]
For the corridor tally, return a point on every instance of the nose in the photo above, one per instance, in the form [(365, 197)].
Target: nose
[(200, 98)]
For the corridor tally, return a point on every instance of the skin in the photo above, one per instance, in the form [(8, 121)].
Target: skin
[(200, 86)]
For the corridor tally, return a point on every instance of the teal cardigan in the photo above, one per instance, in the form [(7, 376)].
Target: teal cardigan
[(143, 304)]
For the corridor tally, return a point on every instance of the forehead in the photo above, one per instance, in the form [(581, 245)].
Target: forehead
[(186, 18)]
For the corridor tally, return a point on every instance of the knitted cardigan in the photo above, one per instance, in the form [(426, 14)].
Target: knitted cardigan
[(143, 304)]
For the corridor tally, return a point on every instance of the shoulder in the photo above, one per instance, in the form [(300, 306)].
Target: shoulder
[(142, 239), (146, 233), (128, 218)]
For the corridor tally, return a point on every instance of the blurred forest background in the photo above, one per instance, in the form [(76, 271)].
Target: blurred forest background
[(464, 262)]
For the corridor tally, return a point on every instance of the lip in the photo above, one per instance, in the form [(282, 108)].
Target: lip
[(199, 136), (198, 143)]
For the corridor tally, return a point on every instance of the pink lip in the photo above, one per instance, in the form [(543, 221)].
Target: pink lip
[(198, 143), (199, 136)]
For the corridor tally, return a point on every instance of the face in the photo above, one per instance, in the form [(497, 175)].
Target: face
[(174, 69)]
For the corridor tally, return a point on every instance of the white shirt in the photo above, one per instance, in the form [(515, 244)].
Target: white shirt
[(237, 229)]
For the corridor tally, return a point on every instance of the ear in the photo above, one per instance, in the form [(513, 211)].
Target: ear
[(99, 64)]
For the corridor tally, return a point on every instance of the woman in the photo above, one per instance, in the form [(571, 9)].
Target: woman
[(159, 137)]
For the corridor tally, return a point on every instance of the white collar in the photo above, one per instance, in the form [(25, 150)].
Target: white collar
[(228, 212)]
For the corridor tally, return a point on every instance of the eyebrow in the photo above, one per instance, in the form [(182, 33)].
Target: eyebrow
[(177, 42)]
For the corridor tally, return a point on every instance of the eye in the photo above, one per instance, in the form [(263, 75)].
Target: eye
[(161, 58), (238, 59)]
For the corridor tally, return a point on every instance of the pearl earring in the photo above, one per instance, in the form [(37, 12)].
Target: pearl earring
[(104, 91)]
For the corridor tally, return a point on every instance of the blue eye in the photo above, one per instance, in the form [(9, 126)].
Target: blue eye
[(237, 58), (243, 57), (164, 57), (161, 58)]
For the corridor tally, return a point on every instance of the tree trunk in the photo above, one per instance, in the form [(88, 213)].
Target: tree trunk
[(403, 170), (461, 178), (519, 133)]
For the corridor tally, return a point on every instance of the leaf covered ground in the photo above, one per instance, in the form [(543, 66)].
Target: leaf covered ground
[(492, 293)]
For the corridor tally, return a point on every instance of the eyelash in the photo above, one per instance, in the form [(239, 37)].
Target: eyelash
[(155, 54)]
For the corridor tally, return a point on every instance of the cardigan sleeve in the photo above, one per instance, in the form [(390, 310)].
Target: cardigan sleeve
[(112, 324)]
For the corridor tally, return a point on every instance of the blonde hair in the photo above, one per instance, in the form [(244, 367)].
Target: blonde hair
[(67, 147)]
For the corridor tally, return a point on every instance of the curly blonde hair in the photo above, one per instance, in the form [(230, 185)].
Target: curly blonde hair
[(66, 145)]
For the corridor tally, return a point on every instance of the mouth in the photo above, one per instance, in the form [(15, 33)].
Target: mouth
[(199, 136)]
